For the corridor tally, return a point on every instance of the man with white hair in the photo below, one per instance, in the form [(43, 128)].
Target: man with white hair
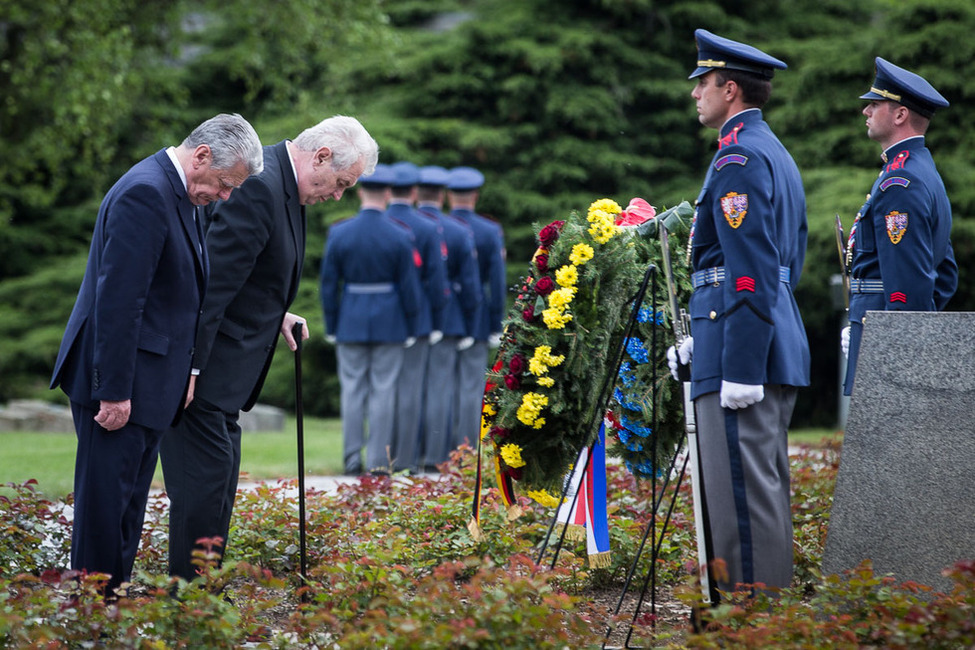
[(256, 242)]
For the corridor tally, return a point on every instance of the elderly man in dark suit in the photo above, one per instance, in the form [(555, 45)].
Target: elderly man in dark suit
[(256, 242), (125, 358)]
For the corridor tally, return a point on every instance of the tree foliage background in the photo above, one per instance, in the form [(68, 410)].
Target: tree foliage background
[(559, 102)]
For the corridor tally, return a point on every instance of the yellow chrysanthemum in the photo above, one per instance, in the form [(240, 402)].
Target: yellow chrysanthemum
[(538, 423), (602, 231), (511, 455), (581, 253), (605, 205), (542, 360), (543, 498), (567, 276), (560, 298), (531, 405), (555, 319), (547, 382)]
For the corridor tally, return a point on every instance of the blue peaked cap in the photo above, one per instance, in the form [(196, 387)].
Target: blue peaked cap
[(434, 176), (717, 53), (405, 174), (896, 84), (381, 177), (463, 179)]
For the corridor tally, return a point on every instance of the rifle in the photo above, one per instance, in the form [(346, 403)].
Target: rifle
[(844, 261), (680, 320)]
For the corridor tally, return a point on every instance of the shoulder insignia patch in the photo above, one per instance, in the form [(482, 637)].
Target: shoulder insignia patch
[(898, 162), (896, 225), (899, 181), (735, 207), (731, 158)]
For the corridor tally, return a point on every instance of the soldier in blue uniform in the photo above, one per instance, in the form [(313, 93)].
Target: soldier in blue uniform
[(463, 297), (463, 185), (370, 292), (899, 252), (749, 347), (429, 242)]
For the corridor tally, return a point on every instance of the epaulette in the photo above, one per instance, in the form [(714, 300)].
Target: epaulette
[(899, 162)]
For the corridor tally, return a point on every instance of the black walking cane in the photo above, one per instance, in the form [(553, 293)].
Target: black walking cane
[(296, 332)]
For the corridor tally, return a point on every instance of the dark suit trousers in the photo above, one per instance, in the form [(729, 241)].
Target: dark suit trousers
[(113, 473), (201, 463)]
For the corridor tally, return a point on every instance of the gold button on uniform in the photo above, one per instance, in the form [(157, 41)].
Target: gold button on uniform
[(713, 315)]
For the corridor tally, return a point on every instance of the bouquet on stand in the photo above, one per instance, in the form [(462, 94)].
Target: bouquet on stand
[(543, 403)]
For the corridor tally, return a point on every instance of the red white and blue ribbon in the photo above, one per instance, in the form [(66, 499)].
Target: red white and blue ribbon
[(585, 514)]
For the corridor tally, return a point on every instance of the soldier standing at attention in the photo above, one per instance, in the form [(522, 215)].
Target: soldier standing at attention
[(428, 239), (463, 185), (747, 246), (370, 292), (899, 253), (463, 295)]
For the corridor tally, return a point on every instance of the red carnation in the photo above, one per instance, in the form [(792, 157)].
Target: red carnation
[(517, 364), (499, 433), (545, 286), (548, 234), (512, 382)]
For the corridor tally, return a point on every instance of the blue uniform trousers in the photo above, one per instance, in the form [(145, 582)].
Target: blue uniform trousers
[(368, 376), (109, 506), (201, 464), (471, 366), (438, 399), (745, 469), (409, 405)]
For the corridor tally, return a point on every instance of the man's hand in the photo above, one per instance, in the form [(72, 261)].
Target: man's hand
[(845, 341), (435, 337), (189, 391), (494, 339), (738, 396), (685, 352), (112, 416), (330, 339), (409, 342), (289, 322), (465, 343)]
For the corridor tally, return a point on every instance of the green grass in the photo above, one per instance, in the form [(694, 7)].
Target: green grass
[(49, 457)]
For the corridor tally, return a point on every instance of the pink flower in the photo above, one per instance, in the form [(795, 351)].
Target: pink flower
[(636, 213)]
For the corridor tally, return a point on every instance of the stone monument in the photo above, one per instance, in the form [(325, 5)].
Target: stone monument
[(905, 492)]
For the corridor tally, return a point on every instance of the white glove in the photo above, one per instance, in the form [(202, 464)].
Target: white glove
[(465, 343), (408, 343), (845, 341), (686, 351), (738, 396), (435, 336), (494, 339), (330, 339)]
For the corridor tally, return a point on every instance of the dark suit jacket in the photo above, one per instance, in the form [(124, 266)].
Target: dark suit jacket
[(256, 242), (130, 334)]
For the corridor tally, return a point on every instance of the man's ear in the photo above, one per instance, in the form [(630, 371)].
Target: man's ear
[(202, 156), (323, 155), (730, 90)]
